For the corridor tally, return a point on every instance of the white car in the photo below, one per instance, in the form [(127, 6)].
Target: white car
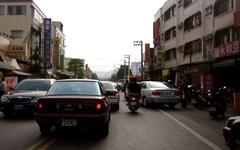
[(158, 93)]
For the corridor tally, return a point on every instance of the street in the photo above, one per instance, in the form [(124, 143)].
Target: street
[(147, 129)]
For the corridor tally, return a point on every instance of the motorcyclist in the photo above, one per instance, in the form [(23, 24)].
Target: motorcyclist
[(133, 88)]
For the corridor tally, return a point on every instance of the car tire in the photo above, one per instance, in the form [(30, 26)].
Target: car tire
[(172, 106), (117, 107), (234, 143), (144, 101), (7, 114), (105, 129), (45, 129)]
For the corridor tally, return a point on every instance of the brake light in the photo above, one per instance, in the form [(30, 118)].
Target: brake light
[(156, 93), (117, 94), (98, 106), (133, 98), (40, 105)]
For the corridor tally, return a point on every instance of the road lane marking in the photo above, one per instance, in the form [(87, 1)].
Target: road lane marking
[(34, 146), (197, 135), (46, 145)]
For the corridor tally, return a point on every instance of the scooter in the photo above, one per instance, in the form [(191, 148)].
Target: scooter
[(133, 103), (198, 99), (217, 104)]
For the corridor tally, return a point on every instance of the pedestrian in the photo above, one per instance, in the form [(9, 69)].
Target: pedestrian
[(2, 87)]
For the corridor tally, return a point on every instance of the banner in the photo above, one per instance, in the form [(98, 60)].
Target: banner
[(47, 43)]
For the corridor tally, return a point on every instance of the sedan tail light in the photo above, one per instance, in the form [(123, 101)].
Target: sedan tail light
[(98, 106), (156, 93), (40, 106), (117, 94)]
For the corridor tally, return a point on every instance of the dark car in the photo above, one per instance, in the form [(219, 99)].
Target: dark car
[(231, 132), (112, 93), (24, 96), (73, 103)]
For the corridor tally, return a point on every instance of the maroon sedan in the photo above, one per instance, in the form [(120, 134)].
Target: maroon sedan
[(72, 103)]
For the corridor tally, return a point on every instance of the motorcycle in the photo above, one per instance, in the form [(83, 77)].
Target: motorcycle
[(133, 103), (217, 103), (198, 99)]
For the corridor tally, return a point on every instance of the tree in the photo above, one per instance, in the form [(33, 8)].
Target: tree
[(36, 61), (77, 67), (94, 76)]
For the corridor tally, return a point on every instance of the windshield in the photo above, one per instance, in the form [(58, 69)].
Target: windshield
[(35, 85), (75, 88)]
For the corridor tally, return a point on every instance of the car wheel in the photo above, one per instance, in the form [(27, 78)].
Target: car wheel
[(7, 114), (44, 129), (105, 130), (145, 104), (235, 141), (117, 107), (172, 106)]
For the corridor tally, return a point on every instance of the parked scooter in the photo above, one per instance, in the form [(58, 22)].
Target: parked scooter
[(217, 103), (198, 99), (133, 103)]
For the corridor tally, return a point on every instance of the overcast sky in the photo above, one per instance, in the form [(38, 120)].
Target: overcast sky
[(103, 31)]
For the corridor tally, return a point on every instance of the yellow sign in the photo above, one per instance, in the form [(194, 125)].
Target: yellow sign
[(165, 72)]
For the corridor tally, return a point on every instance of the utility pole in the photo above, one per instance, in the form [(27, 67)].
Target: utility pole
[(140, 43), (128, 57)]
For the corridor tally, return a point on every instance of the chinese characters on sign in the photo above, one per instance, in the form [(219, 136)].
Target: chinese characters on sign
[(47, 43), (229, 49)]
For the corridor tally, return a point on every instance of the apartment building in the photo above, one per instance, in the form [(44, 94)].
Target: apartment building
[(198, 39), (33, 33)]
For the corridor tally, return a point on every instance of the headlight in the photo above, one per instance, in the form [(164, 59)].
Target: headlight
[(4, 99), (35, 100)]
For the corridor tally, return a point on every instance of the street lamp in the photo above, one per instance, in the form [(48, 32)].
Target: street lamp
[(140, 43)]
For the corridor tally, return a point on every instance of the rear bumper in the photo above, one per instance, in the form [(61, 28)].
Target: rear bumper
[(82, 120), (163, 100)]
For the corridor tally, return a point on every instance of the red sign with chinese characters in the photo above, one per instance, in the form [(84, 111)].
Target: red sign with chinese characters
[(229, 49)]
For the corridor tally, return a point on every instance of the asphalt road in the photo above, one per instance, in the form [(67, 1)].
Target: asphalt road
[(148, 129)]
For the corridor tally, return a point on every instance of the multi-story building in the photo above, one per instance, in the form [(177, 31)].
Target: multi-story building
[(33, 34), (199, 40), (88, 74)]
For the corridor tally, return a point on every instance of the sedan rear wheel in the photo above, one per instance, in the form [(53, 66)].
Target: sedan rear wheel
[(45, 129), (144, 102), (105, 130)]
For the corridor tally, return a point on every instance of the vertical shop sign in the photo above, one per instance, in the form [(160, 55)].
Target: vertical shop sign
[(47, 43)]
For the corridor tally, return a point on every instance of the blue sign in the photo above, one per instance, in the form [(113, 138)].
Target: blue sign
[(47, 42)]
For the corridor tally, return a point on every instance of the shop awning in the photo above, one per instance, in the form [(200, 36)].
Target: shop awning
[(224, 63), (11, 63), (20, 73)]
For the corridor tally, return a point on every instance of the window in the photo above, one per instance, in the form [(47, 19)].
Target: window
[(193, 47), (222, 6), (16, 10), (171, 33), (171, 12), (186, 3), (17, 34), (222, 37), (193, 22), (2, 10), (170, 54)]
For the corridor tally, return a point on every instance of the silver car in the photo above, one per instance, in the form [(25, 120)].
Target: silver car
[(155, 92), (112, 92)]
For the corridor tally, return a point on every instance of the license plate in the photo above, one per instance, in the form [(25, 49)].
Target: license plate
[(133, 103), (212, 108), (18, 107), (69, 122)]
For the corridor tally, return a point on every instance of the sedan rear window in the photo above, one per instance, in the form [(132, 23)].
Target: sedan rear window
[(107, 85), (75, 88), (157, 85), (35, 85)]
